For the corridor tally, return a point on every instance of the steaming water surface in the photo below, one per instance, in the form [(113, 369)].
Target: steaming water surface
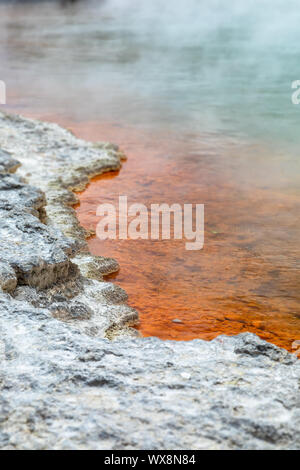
[(198, 94)]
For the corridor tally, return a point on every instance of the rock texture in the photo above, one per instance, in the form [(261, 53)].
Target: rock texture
[(64, 390), (64, 384), (38, 255), (7, 164), (43, 249)]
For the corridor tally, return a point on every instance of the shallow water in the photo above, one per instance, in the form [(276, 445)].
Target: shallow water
[(199, 97), (243, 279)]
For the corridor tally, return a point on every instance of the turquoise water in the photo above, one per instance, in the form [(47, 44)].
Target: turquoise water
[(209, 66)]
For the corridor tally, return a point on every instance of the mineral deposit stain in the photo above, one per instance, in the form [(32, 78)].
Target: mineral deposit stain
[(180, 102), (245, 278)]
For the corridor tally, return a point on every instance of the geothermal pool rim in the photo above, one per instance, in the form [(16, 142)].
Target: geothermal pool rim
[(64, 385)]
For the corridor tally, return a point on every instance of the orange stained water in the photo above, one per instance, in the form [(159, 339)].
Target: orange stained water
[(219, 70), (245, 278)]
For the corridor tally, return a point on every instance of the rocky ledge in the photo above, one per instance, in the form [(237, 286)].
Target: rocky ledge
[(64, 383), (44, 258)]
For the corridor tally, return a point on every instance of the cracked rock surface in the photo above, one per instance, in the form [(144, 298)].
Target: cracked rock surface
[(63, 383), (38, 255), (7, 163), (64, 390)]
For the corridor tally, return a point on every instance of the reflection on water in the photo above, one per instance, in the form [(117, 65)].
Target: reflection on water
[(199, 96)]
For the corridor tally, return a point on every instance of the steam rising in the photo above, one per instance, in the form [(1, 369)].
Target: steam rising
[(209, 65)]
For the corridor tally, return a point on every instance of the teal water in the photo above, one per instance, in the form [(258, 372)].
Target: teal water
[(209, 66), (198, 93)]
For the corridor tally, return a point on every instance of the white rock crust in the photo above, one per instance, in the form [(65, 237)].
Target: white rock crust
[(63, 384)]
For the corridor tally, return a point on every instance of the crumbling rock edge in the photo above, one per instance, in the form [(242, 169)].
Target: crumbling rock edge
[(44, 254), (63, 384)]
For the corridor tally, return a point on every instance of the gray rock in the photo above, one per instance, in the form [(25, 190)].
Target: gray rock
[(8, 278), (63, 384), (7, 163), (15, 194), (38, 255), (61, 389), (39, 251), (95, 267)]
